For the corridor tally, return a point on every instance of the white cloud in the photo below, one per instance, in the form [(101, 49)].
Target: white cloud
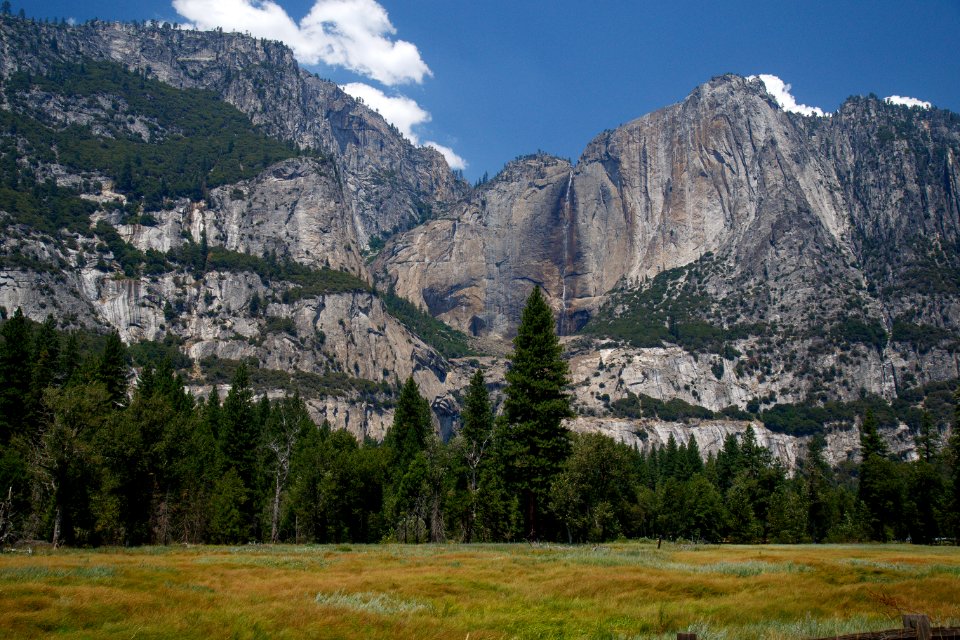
[(453, 160), (354, 34), (781, 93), (400, 111), (908, 102), (403, 113)]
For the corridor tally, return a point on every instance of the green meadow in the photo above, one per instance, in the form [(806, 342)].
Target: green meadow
[(620, 590)]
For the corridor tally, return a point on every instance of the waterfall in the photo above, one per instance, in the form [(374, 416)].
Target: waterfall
[(567, 216)]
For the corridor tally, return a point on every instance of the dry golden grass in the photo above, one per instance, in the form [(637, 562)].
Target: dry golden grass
[(622, 590)]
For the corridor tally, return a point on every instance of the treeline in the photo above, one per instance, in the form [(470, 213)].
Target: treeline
[(670, 309), (161, 142), (87, 460), (449, 342), (804, 418)]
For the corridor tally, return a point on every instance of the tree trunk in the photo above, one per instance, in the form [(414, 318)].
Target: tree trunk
[(275, 516), (532, 515), (437, 530), (473, 505), (56, 529)]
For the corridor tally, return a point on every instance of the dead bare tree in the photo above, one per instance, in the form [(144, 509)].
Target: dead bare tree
[(287, 421), (6, 518), (282, 450)]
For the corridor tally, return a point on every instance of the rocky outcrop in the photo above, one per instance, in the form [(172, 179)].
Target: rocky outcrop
[(782, 234), (389, 183), (725, 171), (214, 316), (475, 269), (294, 210), (343, 333), (841, 444), (783, 223)]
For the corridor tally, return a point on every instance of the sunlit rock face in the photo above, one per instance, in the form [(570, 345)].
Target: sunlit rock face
[(809, 228), (389, 184), (804, 226)]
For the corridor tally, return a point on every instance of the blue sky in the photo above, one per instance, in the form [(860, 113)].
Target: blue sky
[(491, 80)]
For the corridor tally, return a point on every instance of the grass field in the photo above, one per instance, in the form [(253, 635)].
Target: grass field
[(622, 590)]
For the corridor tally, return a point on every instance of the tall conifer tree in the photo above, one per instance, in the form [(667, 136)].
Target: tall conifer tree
[(14, 375), (237, 443), (953, 488), (880, 485), (535, 406), (406, 442), (112, 369)]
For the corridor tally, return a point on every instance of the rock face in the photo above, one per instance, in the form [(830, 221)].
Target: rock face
[(724, 169), (818, 255), (317, 211), (389, 184), (841, 444), (791, 225), (476, 268), (349, 335), (294, 210)]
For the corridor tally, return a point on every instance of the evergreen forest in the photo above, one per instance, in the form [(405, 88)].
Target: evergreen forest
[(95, 451)]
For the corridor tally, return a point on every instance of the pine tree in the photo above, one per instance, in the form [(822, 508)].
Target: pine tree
[(238, 437), (705, 513), (671, 458), (69, 359), (870, 441), (477, 434), (228, 519), (927, 438), (953, 488), (535, 406), (817, 479), (112, 369), (237, 442), (880, 485), (14, 375), (754, 457), (411, 425), (44, 365), (729, 462), (693, 463), (744, 527), (406, 442)]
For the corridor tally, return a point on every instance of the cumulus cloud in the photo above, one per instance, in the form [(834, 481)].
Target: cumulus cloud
[(908, 102), (781, 93), (354, 34), (403, 113), (453, 160)]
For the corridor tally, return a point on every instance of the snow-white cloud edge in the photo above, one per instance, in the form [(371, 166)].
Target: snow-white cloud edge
[(404, 113), (454, 161), (352, 34), (780, 91), (908, 102)]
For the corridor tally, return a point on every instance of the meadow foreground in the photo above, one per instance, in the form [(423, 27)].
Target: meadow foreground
[(621, 590)]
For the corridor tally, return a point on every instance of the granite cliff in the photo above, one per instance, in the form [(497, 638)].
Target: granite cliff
[(768, 246), (719, 251)]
